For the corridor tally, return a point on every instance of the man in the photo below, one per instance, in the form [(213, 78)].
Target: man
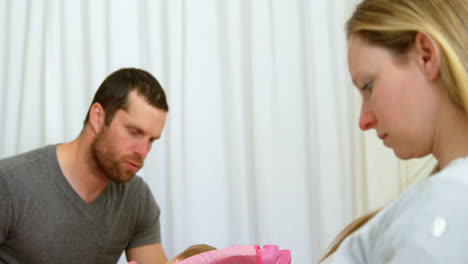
[(79, 202)]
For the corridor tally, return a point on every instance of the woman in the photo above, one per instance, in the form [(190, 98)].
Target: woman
[(409, 61)]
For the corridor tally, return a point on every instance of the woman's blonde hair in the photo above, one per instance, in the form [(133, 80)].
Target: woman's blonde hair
[(393, 24)]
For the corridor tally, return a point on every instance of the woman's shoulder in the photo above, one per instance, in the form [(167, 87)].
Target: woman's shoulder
[(427, 222), (434, 193)]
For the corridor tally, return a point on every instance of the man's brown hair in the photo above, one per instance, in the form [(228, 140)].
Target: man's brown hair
[(114, 90)]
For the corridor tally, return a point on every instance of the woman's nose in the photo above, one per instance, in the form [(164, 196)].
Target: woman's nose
[(367, 119)]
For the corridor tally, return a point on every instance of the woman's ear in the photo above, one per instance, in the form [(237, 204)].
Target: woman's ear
[(428, 55), (96, 117)]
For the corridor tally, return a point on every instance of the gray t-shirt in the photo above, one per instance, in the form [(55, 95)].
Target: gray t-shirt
[(426, 224), (43, 220)]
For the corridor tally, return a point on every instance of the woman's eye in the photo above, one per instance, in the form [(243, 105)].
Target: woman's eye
[(367, 88)]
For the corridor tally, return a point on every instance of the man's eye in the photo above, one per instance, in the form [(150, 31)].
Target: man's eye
[(133, 132)]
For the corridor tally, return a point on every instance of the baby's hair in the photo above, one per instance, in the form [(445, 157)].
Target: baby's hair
[(194, 250)]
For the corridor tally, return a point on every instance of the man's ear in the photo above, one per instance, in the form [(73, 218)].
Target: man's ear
[(96, 117), (428, 55)]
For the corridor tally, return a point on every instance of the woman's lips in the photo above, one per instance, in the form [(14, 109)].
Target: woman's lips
[(383, 136)]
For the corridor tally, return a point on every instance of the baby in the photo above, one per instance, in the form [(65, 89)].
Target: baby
[(245, 254)]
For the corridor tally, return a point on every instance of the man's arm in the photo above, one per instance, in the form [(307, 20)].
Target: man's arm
[(147, 254), (5, 211)]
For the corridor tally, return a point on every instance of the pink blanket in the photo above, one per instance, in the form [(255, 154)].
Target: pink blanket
[(270, 254)]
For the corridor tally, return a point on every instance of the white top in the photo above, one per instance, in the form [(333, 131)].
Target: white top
[(426, 224)]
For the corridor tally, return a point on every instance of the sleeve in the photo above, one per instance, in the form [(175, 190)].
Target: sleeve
[(147, 230), (5, 209), (425, 225), (438, 235), (352, 251)]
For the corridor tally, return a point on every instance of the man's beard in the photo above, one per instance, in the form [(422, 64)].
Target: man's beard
[(107, 158)]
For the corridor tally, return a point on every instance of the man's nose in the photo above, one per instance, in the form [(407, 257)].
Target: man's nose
[(142, 148)]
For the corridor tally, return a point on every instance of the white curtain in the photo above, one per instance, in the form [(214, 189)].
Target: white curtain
[(261, 144)]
